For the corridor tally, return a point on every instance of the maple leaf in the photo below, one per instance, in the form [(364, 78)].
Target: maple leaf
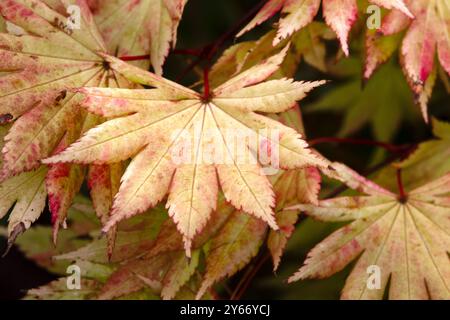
[(296, 14), (41, 67), (407, 238), (225, 242), (144, 27), (145, 128), (427, 36)]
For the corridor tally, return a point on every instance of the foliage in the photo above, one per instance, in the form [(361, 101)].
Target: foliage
[(171, 208)]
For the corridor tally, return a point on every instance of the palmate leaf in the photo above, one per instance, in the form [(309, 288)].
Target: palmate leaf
[(229, 241), (146, 127), (408, 239), (427, 39), (144, 27), (296, 14), (41, 69)]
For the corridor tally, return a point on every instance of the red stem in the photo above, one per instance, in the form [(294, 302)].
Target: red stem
[(206, 84), (401, 189), (389, 147), (248, 277), (135, 58)]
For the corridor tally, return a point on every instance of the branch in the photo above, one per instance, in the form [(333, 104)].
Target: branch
[(402, 197), (246, 280), (135, 58), (206, 94)]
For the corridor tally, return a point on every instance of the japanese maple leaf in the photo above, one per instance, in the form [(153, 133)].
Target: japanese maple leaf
[(296, 14), (40, 69), (427, 36), (148, 126), (407, 238), (139, 27)]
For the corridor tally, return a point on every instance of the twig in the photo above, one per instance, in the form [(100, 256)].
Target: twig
[(135, 58), (402, 197), (248, 277), (206, 84)]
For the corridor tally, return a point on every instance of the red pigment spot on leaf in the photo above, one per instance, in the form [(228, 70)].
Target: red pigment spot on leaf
[(97, 177), (120, 102), (133, 4), (287, 229), (58, 171), (266, 147), (26, 13), (94, 5), (54, 204)]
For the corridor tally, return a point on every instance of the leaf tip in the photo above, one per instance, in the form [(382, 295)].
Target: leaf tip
[(16, 231)]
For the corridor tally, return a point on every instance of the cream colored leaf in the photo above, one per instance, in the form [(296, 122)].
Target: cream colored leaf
[(407, 240), (180, 143)]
